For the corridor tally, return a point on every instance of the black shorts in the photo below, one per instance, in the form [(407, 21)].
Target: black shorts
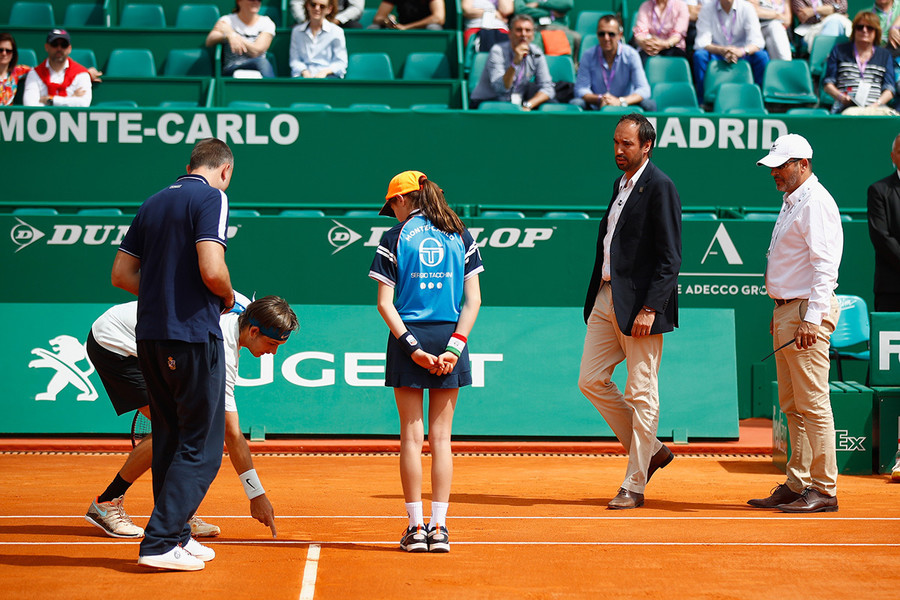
[(121, 376), (401, 371)]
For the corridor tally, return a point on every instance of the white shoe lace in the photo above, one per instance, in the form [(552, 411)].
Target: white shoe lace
[(117, 515)]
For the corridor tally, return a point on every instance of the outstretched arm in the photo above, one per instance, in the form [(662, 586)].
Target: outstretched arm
[(239, 453)]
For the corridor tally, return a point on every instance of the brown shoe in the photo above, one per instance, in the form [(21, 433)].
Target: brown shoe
[(781, 494), (659, 460), (811, 501), (626, 499)]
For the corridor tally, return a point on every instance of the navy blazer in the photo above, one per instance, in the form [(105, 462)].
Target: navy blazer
[(884, 230), (646, 253)]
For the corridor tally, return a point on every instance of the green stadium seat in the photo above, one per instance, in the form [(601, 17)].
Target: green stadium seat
[(821, 48), (667, 69), (587, 42), (242, 212), (28, 57), (816, 112), (683, 110), (586, 22), (566, 214), (361, 213), (720, 72), (495, 106), (698, 216), (177, 104), (84, 57), (426, 65), (143, 16), (370, 65), (101, 212), (130, 62), (249, 105), (557, 107), (739, 98), (561, 68), (622, 109), (367, 17), (788, 82), (27, 210), (430, 107), (197, 16), (370, 106), (761, 216), (478, 64), (82, 14), (32, 14), (116, 104), (501, 214), (273, 11), (310, 106), (672, 94), (302, 212), (191, 62)]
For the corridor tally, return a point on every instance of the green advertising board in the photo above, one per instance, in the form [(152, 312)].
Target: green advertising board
[(329, 377), (884, 356)]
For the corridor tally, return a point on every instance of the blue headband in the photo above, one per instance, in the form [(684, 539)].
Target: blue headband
[(275, 334)]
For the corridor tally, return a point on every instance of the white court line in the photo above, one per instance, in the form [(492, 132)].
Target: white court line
[(308, 590), (457, 543), (784, 517)]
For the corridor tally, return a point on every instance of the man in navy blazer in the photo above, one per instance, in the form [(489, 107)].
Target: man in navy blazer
[(884, 231), (631, 301)]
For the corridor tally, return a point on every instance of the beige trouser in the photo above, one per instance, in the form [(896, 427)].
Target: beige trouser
[(805, 401), (633, 416)]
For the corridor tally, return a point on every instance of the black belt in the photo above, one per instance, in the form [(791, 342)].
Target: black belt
[(779, 302)]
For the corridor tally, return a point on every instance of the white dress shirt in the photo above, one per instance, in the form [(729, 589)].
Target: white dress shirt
[(325, 50), (625, 188), (35, 88), (805, 251), (738, 27)]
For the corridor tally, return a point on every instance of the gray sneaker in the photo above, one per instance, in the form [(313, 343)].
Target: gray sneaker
[(112, 519)]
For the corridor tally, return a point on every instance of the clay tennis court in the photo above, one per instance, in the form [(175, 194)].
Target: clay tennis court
[(522, 526)]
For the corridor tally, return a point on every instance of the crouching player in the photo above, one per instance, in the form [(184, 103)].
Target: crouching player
[(262, 327)]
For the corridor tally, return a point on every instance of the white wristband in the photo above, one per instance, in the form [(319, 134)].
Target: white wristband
[(252, 486)]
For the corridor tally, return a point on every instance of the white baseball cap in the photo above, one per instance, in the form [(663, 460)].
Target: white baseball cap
[(785, 148)]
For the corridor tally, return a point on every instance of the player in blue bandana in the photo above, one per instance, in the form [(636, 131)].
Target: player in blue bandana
[(428, 294)]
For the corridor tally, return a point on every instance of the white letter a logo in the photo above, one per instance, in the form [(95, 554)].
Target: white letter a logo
[(727, 246)]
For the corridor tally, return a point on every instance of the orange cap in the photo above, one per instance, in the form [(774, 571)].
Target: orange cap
[(404, 183)]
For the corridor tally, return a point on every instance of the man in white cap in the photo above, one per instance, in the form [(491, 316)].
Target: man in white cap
[(801, 276)]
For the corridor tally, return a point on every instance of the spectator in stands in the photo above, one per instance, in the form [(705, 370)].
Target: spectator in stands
[(693, 15), (10, 69), (488, 19), (516, 70), (411, 14), (245, 36), (58, 81), (883, 202), (347, 15), (774, 20), (728, 30), (552, 15), (888, 12), (610, 73), (318, 47), (859, 75), (820, 17), (661, 28)]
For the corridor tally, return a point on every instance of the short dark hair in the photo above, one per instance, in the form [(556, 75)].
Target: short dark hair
[(521, 17), (211, 153), (646, 133), (610, 19), (271, 312), (7, 37)]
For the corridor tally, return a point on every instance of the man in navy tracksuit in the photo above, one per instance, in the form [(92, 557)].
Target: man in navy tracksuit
[(173, 259)]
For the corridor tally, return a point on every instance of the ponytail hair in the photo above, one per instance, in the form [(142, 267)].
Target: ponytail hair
[(429, 198)]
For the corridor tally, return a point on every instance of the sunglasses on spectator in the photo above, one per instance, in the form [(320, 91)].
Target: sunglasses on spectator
[(864, 28), (60, 44), (317, 5), (6, 50), (602, 34)]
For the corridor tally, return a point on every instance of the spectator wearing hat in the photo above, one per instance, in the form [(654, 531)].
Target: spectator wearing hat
[(59, 80), (801, 276)]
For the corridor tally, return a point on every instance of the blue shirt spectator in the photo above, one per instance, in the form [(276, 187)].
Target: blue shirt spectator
[(322, 54)]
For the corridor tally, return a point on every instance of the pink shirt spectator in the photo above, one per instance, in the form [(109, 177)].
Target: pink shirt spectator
[(651, 21)]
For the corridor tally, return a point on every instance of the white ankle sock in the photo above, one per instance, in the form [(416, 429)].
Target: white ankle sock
[(439, 513), (414, 510)]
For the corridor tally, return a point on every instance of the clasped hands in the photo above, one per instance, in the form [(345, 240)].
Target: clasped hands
[(733, 54), (436, 365)]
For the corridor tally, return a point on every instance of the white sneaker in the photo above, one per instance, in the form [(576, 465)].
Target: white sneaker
[(112, 519), (176, 559), (895, 472), (204, 553), (200, 528)]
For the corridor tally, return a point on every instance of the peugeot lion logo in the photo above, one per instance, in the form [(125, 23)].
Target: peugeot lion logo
[(67, 352)]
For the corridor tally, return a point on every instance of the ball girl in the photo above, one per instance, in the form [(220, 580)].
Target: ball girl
[(428, 294)]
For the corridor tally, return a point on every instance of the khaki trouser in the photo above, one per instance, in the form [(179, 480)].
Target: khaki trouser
[(634, 415), (805, 401)]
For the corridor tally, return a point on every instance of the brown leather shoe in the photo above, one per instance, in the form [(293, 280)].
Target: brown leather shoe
[(659, 460), (781, 494), (626, 499), (811, 501)]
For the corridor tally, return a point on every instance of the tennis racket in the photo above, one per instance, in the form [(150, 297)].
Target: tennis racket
[(140, 428)]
